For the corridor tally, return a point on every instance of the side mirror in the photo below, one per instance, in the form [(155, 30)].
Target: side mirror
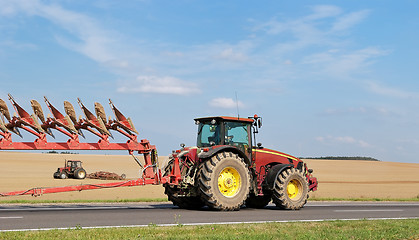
[(259, 122)]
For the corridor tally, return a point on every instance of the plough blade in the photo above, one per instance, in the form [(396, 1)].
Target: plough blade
[(100, 111), (16, 131), (71, 113), (4, 109), (122, 121), (92, 120), (3, 127), (25, 118), (37, 109), (59, 119), (101, 115), (69, 110)]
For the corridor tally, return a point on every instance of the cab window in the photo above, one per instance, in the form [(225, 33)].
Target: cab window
[(208, 134), (236, 133)]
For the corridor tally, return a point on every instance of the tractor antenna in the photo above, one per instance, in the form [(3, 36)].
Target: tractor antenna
[(237, 103)]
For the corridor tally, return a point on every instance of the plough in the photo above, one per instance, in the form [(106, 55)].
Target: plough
[(39, 126), (69, 126)]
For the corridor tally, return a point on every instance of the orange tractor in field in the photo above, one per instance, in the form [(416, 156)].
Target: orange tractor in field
[(226, 170)]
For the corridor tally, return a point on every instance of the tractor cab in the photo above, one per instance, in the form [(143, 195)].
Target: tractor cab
[(237, 132), (73, 164)]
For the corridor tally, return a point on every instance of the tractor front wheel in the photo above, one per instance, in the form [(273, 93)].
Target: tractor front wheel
[(291, 190), (224, 182), (63, 175)]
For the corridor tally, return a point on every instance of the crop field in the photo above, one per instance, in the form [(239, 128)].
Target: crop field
[(337, 178)]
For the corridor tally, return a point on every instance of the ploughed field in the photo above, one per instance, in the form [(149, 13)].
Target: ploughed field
[(337, 178)]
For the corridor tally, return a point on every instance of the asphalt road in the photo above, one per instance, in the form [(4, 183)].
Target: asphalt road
[(107, 215)]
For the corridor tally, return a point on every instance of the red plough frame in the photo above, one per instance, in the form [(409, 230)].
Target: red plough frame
[(70, 126)]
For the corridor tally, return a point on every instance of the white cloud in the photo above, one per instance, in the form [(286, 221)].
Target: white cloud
[(92, 41), (316, 43), (231, 55), (389, 91), (324, 11), (163, 85), (349, 20), (346, 140), (342, 63), (225, 103)]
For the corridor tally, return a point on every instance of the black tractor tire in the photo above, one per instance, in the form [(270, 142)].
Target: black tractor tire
[(173, 194), (290, 190), (80, 173), (56, 175), (224, 182), (63, 175), (258, 201)]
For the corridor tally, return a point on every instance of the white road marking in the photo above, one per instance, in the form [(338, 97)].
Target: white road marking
[(370, 210), (17, 217)]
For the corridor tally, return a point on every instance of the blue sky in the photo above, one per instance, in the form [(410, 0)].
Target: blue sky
[(328, 77)]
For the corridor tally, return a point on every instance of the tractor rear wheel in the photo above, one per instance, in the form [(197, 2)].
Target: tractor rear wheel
[(224, 182), (175, 196), (80, 173), (290, 190), (258, 201)]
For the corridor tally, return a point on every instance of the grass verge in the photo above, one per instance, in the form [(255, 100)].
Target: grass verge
[(360, 229)]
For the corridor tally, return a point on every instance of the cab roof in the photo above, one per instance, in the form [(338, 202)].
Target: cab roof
[(225, 118)]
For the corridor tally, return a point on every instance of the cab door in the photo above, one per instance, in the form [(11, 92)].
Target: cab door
[(238, 134)]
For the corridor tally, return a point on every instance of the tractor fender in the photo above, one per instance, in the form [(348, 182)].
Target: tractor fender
[(214, 151), (269, 182)]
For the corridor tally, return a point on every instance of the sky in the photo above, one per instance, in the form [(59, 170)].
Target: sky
[(328, 78)]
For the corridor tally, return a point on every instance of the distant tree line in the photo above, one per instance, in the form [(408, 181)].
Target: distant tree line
[(55, 152), (343, 158)]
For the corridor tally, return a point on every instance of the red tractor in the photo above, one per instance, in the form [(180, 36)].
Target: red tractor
[(227, 170), (72, 169)]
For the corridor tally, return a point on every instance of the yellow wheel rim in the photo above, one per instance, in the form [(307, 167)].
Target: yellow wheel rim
[(229, 182), (293, 188)]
